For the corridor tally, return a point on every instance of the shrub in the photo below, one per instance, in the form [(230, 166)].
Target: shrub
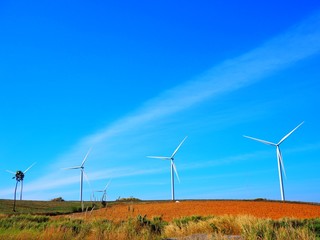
[(184, 221), (154, 226), (129, 199), (260, 199), (157, 225), (73, 225), (76, 209), (280, 229), (58, 199), (314, 226)]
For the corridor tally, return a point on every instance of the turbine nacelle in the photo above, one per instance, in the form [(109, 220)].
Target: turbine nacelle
[(19, 176), (82, 164)]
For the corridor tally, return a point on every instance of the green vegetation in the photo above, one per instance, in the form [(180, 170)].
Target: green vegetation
[(247, 227), (44, 227), (41, 207)]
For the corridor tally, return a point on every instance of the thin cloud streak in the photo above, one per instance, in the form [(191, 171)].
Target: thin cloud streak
[(300, 42)]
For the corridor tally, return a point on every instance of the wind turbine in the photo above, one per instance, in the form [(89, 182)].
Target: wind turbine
[(173, 166), (81, 167), (104, 191), (19, 176), (279, 157)]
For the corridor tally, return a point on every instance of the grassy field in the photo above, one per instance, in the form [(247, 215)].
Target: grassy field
[(25, 227), (53, 220), (42, 207)]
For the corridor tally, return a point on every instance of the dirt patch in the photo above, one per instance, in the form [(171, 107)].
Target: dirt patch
[(171, 210)]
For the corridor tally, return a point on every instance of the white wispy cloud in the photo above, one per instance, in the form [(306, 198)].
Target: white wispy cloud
[(298, 43)]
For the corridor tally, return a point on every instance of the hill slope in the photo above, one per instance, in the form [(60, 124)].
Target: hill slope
[(171, 210)]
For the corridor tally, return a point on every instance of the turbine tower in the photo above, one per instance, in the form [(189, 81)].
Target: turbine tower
[(173, 166), (279, 157), (19, 176), (81, 167)]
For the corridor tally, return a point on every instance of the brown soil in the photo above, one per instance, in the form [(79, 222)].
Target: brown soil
[(171, 210)]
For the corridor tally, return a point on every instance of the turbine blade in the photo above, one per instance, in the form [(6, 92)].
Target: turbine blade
[(29, 168), (87, 179), (175, 151), (107, 185), (281, 161), (85, 158), (163, 158), (260, 140), (175, 170), (286, 136), (12, 173), (78, 167)]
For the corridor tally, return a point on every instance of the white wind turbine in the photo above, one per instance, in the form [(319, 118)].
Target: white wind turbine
[(173, 166), (81, 167), (279, 157), (104, 191)]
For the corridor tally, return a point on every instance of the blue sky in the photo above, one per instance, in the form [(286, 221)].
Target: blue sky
[(132, 79)]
